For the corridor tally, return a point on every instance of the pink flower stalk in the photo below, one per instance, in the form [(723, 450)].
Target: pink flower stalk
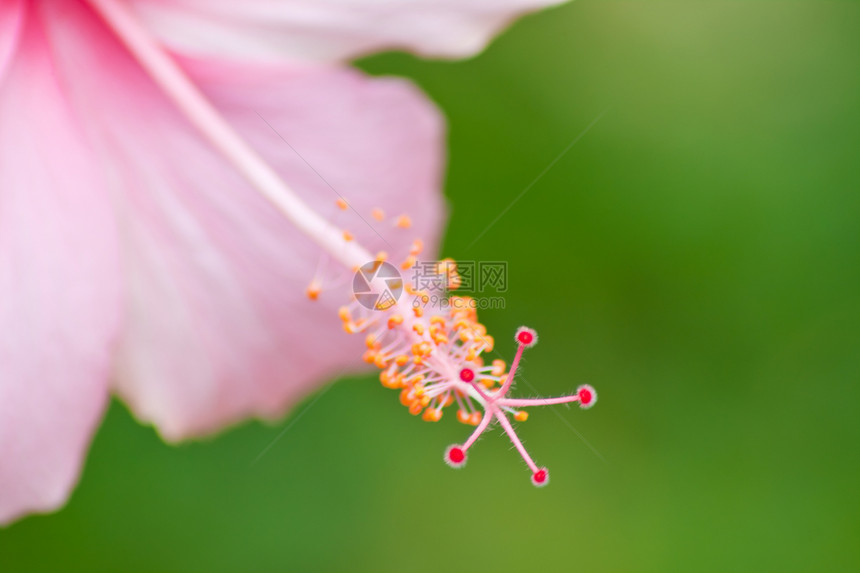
[(166, 170)]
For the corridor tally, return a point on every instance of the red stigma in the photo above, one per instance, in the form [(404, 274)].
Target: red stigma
[(456, 455), (526, 337), (587, 396), (540, 478), (467, 375)]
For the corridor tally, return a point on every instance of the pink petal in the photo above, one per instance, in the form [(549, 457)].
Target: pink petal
[(59, 294), (11, 19), (218, 325), (326, 30)]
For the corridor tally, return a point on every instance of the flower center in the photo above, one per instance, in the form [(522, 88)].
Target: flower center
[(436, 360)]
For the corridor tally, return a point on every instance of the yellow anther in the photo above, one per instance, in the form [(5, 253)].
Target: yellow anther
[(404, 221), (489, 343), (438, 321), (475, 418), (370, 341), (463, 416), (417, 247), (342, 205), (418, 328), (419, 312), (521, 416), (498, 367), (408, 263), (380, 361), (347, 236), (488, 383), (389, 381), (438, 336), (351, 327), (454, 281), (420, 351), (369, 356), (425, 400), (432, 415), (378, 214), (394, 321), (471, 355), (401, 360), (344, 314), (381, 256), (446, 267), (415, 408), (405, 397), (314, 290), (447, 401)]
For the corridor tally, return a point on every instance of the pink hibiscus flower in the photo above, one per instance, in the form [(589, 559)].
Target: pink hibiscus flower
[(158, 225)]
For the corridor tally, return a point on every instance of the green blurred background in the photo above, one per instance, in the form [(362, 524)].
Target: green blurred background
[(695, 256)]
